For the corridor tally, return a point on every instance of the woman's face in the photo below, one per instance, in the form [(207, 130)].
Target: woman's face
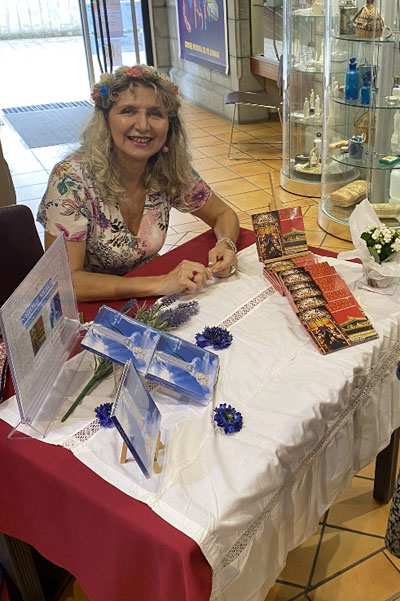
[(138, 125)]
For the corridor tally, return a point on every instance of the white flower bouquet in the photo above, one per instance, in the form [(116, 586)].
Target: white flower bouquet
[(377, 246)]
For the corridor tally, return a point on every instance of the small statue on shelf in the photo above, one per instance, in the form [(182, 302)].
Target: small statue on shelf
[(317, 107), (306, 108)]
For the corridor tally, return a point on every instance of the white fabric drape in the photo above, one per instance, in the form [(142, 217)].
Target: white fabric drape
[(310, 423)]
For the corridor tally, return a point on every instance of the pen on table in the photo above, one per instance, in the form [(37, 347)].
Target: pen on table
[(211, 267)]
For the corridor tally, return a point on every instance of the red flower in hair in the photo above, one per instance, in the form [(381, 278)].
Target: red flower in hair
[(95, 94), (134, 72)]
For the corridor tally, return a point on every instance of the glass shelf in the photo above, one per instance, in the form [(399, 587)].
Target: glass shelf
[(365, 162), (310, 122), (393, 39), (308, 71), (298, 15), (378, 102)]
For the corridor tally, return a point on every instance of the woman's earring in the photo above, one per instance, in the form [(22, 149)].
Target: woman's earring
[(165, 148)]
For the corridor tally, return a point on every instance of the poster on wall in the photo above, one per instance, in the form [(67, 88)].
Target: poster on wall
[(202, 26)]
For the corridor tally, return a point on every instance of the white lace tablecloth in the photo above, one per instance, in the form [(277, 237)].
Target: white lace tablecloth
[(310, 423)]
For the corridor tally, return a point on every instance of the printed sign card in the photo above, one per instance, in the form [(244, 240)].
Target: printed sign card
[(40, 325), (185, 368), (137, 418)]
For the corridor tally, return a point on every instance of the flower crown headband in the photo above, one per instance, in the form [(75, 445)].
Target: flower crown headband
[(104, 92)]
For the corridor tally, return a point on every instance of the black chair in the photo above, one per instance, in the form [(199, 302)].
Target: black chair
[(20, 247), (261, 99)]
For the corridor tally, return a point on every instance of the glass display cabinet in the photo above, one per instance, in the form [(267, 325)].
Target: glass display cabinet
[(303, 66), (361, 154)]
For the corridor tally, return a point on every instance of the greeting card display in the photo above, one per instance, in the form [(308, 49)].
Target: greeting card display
[(161, 357), (137, 418), (40, 325)]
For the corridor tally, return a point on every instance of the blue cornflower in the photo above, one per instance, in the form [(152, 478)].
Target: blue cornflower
[(398, 370), (216, 337), (228, 418), (103, 91), (103, 414)]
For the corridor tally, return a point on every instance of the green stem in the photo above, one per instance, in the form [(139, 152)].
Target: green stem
[(93, 380)]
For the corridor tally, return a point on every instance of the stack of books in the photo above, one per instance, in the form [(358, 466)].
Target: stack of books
[(320, 298)]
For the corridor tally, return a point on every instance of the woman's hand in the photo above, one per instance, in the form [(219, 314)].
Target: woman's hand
[(223, 259), (188, 277)]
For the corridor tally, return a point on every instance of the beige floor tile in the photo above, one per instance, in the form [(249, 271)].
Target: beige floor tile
[(373, 580), (356, 509), (193, 226), (238, 136), (368, 471), (233, 187), (216, 149), (283, 592), (176, 218), (197, 154), (256, 202), (261, 181), (203, 142), (197, 133), (205, 163), (311, 224), (312, 210), (253, 168), (236, 158), (188, 236), (220, 129), (253, 126), (211, 176), (265, 155), (299, 561), (340, 549), (315, 238), (211, 121), (395, 560), (173, 238)]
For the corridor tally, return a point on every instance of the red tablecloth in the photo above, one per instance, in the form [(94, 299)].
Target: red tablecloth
[(117, 547)]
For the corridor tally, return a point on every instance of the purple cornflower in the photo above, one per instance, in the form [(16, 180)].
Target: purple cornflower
[(176, 317), (168, 300), (228, 418), (216, 337), (103, 414)]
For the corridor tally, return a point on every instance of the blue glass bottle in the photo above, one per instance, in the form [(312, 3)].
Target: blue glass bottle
[(365, 93), (351, 81)]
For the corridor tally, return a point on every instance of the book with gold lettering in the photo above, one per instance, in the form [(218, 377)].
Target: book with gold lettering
[(279, 234)]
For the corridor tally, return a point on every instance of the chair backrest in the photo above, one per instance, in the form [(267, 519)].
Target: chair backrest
[(20, 247)]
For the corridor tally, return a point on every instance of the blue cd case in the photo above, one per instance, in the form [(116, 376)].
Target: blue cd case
[(136, 418), (160, 357)]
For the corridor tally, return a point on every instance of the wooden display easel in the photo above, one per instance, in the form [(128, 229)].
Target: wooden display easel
[(159, 446)]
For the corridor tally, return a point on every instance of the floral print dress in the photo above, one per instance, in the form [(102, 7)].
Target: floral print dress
[(71, 205)]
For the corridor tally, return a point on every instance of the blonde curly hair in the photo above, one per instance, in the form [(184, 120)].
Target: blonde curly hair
[(169, 172)]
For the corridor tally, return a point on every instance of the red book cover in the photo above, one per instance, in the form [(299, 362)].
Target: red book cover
[(330, 282), (279, 234), (324, 330), (320, 269), (352, 320), (331, 295)]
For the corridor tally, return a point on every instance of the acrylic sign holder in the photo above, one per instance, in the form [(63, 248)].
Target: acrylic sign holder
[(40, 325)]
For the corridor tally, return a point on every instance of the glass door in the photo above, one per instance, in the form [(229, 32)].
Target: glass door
[(114, 36)]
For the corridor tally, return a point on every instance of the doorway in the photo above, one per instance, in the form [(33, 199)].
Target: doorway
[(51, 53)]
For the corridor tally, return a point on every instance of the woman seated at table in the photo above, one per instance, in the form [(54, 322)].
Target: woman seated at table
[(112, 196)]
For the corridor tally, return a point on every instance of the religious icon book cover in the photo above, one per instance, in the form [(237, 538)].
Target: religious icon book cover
[(279, 233)]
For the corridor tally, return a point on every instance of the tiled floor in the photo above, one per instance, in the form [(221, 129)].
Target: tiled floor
[(345, 560)]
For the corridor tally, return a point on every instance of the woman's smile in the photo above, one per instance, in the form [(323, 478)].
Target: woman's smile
[(138, 124)]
